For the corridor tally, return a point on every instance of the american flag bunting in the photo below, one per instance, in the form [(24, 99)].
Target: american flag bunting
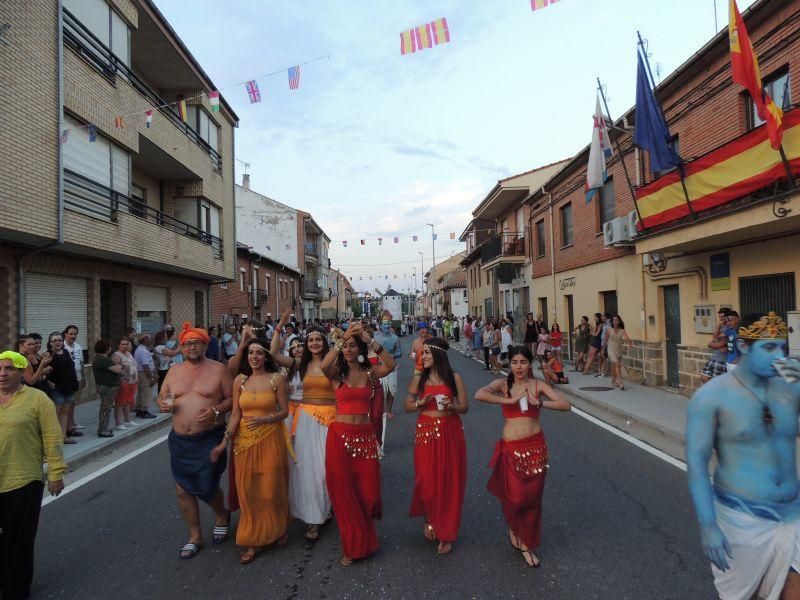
[(294, 77)]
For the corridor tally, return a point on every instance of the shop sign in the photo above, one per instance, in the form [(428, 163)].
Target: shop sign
[(567, 282)]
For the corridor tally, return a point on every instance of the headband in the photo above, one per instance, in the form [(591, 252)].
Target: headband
[(257, 345), (434, 347), (19, 361)]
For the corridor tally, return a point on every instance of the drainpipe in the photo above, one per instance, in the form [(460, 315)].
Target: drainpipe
[(21, 314), (699, 271), (552, 251)]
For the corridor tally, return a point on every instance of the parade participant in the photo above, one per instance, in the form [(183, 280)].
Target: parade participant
[(351, 461), (308, 497), (519, 463), (29, 435), (295, 380), (258, 435), (387, 338), (749, 516), (197, 392), (416, 347), (595, 343), (440, 452)]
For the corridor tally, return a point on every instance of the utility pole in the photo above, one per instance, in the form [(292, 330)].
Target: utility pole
[(433, 266)]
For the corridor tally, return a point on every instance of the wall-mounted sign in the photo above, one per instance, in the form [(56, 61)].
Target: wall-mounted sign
[(720, 272), (567, 282)]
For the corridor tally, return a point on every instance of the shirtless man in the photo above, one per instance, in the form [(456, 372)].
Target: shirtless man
[(750, 516), (202, 390), (416, 347)]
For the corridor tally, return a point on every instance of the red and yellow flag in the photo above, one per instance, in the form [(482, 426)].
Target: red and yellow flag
[(745, 71), (182, 112)]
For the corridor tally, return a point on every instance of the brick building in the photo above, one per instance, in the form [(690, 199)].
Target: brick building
[(123, 223), (262, 290)]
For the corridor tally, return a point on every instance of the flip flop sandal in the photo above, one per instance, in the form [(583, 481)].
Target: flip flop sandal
[(245, 558), (534, 562), (345, 561), (220, 533), (189, 550), (312, 534)]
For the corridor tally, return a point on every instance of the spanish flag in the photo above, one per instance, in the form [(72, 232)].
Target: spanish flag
[(745, 71), (182, 110)]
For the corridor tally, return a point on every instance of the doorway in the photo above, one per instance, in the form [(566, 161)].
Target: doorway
[(610, 303), (672, 332), (114, 310)]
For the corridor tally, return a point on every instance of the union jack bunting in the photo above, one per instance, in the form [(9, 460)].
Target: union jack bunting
[(253, 91), (294, 77)]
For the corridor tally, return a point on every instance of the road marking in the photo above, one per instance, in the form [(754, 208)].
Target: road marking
[(629, 438), (100, 472)]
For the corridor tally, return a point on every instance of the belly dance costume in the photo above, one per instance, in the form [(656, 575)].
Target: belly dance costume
[(518, 473), (440, 468), (308, 495), (352, 473)]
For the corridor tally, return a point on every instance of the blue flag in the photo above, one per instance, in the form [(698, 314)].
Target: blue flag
[(650, 131)]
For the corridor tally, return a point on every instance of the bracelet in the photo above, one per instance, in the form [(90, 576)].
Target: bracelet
[(228, 434)]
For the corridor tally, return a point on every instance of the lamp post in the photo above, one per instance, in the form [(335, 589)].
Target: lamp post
[(415, 291), (433, 266), (422, 273)]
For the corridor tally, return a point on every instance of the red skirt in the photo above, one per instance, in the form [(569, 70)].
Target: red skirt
[(126, 394), (518, 472), (440, 474), (353, 479)]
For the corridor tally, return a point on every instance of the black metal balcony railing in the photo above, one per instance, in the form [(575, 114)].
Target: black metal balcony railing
[(503, 244), (96, 199), (263, 296), (310, 288), (257, 297), (85, 43)]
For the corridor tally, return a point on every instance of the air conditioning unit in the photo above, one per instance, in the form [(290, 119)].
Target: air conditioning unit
[(616, 231), (633, 219)]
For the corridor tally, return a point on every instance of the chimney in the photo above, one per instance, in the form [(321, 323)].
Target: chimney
[(246, 181)]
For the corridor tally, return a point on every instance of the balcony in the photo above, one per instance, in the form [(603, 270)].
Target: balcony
[(96, 54), (507, 247), (93, 199), (257, 297), (311, 290), (312, 250)]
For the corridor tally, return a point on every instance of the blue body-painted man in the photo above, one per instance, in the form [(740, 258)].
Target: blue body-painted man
[(387, 338), (749, 516)]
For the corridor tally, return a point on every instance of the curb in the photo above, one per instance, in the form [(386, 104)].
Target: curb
[(668, 441), (115, 443)]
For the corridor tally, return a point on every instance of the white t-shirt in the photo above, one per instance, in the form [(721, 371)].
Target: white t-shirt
[(506, 338), (77, 357)]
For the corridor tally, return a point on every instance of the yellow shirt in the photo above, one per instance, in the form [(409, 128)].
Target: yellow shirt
[(29, 433)]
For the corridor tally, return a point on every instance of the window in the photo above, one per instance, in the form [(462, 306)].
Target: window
[(138, 201), (204, 125), (540, 238), (606, 205), (566, 225), (241, 280), (200, 214), (223, 286), (778, 88), (106, 25), (266, 285)]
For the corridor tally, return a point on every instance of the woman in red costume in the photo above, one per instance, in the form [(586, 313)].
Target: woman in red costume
[(440, 452), (352, 470), (519, 463)]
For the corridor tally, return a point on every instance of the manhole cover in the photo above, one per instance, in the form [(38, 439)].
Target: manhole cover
[(596, 388)]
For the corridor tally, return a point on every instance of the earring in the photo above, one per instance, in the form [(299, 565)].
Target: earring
[(361, 358)]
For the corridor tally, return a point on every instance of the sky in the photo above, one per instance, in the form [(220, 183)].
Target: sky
[(376, 144)]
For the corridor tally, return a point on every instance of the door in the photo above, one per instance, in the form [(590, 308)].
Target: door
[(610, 303), (114, 313), (567, 335), (672, 331)]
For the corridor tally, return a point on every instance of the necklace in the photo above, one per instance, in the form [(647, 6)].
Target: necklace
[(766, 413)]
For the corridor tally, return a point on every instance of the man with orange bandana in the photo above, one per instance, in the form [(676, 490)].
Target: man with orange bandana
[(198, 392)]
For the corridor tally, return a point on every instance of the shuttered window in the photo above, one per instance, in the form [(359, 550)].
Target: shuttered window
[(151, 299), (764, 293), (52, 302)]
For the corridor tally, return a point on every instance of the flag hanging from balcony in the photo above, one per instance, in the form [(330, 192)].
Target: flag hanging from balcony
[(182, 111), (650, 130), (64, 136), (539, 4), (745, 71), (599, 151), (149, 118), (252, 91), (294, 77), (92, 133), (119, 122), (213, 100)]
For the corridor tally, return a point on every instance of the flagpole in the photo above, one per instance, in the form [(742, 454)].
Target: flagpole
[(619, 151), (651, 83)]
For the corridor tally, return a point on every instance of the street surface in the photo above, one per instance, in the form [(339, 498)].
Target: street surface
[(618, 523)]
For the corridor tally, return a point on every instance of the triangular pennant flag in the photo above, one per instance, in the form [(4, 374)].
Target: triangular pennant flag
[(380, 241), (213, 100), (119, 122), (397, 240), (92, 133), (344, 243), (452, 235), (149, 121), (414, 238)]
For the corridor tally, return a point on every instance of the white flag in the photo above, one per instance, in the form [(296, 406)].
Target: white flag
[(599, 151)]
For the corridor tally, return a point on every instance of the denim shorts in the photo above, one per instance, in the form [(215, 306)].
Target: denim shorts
[(59, 398)]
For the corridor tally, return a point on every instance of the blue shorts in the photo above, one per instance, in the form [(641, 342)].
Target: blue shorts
[(59, 398)]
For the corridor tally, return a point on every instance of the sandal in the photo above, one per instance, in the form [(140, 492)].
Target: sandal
[(530, 559), (345, 561), (312, 533), (246, 557), (221, 532), (189, 550), (445, 548), (70, 441)]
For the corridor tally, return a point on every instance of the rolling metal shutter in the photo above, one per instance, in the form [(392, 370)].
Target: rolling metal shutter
[(151, 299), (52, 302)]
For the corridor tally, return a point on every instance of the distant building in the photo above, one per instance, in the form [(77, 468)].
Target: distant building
[(392, 301)]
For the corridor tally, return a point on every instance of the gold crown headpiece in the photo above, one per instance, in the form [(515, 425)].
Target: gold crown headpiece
[(770, 326)]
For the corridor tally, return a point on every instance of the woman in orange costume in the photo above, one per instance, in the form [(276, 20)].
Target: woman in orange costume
[(352, 470), (519, 463), (260, 405), (440, 452)]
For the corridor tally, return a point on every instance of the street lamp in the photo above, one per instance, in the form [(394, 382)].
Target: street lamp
[(415, 291), (421, 272)]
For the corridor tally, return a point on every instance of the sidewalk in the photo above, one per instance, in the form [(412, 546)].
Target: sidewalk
[(654, 415), (90, 446)]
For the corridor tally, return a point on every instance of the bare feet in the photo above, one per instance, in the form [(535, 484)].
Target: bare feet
[(345, 561), (282, 541), (246, 557), (445, 547), (430, 534), (312, 533), (514, 539)]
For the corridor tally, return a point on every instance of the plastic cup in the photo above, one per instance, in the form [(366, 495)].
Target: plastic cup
[(523, 404), (169, 399), (440, 400)]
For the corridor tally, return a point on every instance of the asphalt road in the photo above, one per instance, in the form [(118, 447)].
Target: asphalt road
[(618, 524)]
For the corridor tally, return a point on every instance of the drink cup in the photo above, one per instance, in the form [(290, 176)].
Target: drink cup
[(169, 399), (784, 373), (440, 400), (413, 356), (523, 403)]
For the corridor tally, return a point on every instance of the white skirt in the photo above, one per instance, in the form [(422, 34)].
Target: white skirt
[(308, 494)]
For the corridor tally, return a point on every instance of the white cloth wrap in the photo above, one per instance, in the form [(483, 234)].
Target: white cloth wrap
[(390, 384), (763, 552), (308, 494)]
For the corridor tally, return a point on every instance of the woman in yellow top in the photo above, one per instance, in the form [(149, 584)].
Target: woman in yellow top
[(260, 404), (308, 496)]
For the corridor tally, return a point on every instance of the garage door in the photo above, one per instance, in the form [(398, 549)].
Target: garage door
[(52, 302)]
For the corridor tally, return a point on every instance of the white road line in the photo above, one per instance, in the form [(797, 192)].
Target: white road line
[(109, 467), (629, 438)]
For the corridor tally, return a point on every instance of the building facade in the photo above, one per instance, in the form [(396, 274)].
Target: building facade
[(340, 296), (313, 245), (129, 219)]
